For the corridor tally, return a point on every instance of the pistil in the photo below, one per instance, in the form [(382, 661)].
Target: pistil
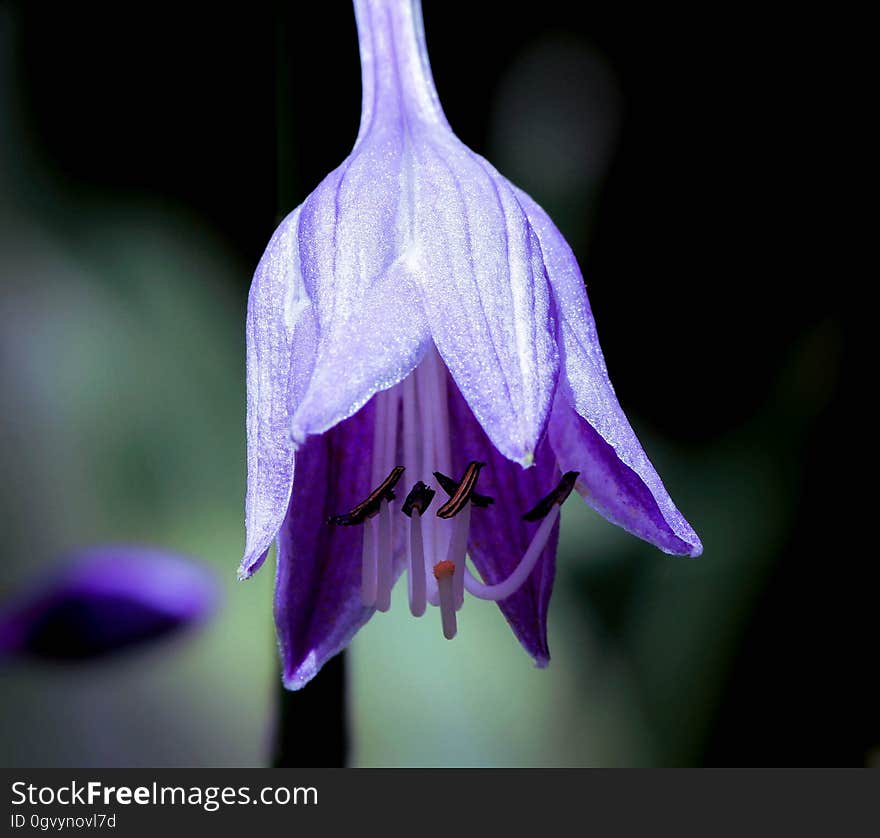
[(444, 573), (547, 508), (459, 506), (514, 582)]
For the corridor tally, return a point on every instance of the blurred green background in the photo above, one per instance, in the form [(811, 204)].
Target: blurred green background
[(142, 172)]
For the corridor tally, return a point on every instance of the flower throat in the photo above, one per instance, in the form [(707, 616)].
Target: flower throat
[(412, 421)]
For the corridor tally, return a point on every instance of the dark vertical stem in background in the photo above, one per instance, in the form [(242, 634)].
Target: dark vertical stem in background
[(312, 725)]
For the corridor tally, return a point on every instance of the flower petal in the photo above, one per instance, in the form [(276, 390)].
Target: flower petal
[(281, 335), (499, 536), (107, 599), (371, 328), (485, 290), (317, 592), (588, 429)]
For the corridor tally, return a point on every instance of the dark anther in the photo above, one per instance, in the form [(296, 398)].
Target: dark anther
[(370, 507), (542, 508), (463, 491), (450, 486), (419, 498)]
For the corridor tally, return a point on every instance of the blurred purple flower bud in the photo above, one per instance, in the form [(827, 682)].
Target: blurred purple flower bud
[(105, 600)]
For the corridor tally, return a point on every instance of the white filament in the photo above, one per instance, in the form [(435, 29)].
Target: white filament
[(391, 418), (369, 560), (457, 549), (425, 429), (430, 528), (392, 410), (368, 566), (377, 563), (438, 391), (385, 575), (417, 593), (447, 607), (522, 570), (436, 381), (379, 423), (410, 432), (416, 575)]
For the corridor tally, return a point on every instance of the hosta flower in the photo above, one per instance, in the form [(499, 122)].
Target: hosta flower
[(105, 600), (425, 383)]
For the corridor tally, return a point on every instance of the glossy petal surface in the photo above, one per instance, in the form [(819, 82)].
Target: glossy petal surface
[(486, 293), (280, 326), (317, 594), (416, 242), (589, 430)]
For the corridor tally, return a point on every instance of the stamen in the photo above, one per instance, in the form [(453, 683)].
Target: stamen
[(380, 413), (369, 569), (369, 508), (391, 427), (410, 428), (450, 486), (444, 573), (556, 497), (459, 502), (457, 549), (463, 493), (417, 589), (392, 397), (385, 575), (426, 437), (516, 579), (441, 405), (418, 499), (369, 558), (376, 556)]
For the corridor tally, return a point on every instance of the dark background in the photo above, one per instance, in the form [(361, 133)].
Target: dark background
[(704, 281)]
